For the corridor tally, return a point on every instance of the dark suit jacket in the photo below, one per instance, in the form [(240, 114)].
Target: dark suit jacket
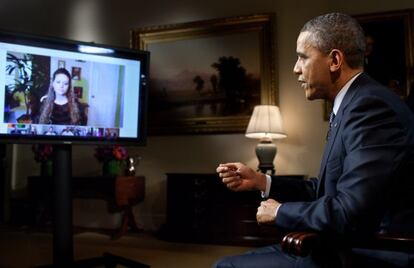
[(361, 178)]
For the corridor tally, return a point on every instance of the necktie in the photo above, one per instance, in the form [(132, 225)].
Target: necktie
[(331, 119)]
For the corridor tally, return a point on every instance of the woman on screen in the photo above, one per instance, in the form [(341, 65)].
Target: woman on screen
[(60, 106)]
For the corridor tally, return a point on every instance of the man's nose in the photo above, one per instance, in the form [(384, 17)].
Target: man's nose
[(296, 69)]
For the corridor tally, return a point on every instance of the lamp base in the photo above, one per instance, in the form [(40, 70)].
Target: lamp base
[(266, 152)]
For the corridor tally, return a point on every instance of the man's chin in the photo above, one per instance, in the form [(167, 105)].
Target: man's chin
[(309, 95), (312, 94)]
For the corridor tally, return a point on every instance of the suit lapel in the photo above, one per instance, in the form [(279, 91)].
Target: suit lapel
[(334, 131), (327, 151)]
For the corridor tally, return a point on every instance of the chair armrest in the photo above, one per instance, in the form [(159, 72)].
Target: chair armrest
[(299, 243), (302, 243)]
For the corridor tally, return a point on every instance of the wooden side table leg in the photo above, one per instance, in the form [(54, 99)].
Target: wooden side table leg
[(129, 190), (128, 221), (124, 225), (131, 220)]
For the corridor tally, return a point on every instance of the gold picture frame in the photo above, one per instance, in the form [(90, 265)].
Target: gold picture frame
[(206, 76), (390, 45)]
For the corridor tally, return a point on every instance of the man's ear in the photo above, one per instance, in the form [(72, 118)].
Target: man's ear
[(337, 59)]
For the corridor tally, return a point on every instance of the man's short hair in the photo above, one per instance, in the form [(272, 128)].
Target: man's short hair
[(338, 31)]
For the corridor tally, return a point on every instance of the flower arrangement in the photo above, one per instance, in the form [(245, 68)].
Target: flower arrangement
[(43, 155), (108, 153), (42, 152), (113, 159)]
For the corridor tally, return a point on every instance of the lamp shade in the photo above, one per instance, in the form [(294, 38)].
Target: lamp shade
[(266, 122)]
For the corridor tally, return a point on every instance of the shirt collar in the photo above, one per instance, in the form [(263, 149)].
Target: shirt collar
[(339, 98)]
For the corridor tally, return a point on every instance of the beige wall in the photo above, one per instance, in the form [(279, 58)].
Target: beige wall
[(109, 23)]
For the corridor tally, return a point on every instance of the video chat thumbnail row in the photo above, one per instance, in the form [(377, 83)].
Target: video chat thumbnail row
[(61, 130)]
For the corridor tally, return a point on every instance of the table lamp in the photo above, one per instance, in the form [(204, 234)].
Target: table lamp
[(266, 124)]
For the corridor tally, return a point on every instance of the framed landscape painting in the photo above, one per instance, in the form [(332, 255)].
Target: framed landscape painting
[(207, 76)]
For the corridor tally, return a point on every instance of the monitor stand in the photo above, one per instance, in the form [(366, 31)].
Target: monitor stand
[(62, 223)]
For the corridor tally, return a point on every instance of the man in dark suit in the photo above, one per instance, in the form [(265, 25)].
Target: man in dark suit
[(362, 173)]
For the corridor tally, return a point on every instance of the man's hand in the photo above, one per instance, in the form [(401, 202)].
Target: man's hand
[(266, 213), (238, 177)]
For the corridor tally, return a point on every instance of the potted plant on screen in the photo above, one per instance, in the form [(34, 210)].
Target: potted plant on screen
[(26, 80)]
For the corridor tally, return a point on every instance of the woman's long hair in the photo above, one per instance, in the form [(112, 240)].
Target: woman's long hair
[(47, 106)]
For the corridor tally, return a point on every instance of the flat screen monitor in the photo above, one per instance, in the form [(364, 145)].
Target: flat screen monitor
[(61, 91)]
